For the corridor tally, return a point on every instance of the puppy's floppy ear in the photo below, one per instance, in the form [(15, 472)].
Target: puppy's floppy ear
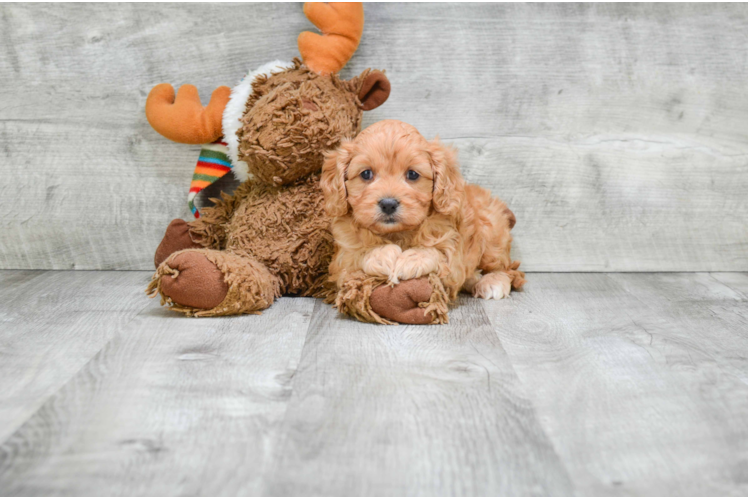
[(449, 186), (334, 171)]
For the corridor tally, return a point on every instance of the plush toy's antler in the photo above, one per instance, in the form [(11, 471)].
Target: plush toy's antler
[(184, 119), (341, 24)]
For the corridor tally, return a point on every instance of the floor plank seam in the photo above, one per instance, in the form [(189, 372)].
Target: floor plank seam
[(528, 395), (46, 400), (276, 455), (738, 292)]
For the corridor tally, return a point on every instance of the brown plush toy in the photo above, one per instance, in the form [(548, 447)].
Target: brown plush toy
[(271, 237)]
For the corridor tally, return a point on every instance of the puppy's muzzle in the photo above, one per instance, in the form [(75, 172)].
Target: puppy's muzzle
[(388, 206)]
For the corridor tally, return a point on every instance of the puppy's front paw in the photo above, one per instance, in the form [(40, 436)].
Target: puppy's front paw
[(493, 286), (381, 261), (415, 263)]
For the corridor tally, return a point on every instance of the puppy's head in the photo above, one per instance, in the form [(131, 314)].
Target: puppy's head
[(390, 178)]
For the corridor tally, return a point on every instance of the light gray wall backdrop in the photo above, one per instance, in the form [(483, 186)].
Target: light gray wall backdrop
[(617, 133)]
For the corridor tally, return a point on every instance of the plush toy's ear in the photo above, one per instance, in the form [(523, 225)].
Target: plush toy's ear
[(449, 185), (334, 171), (375, 89), (184, 119), (341, 24)]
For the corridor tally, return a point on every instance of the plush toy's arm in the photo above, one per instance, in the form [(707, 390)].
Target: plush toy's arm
[(341, 24), (184, 119)]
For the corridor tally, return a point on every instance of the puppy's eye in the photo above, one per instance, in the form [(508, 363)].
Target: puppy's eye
[(413, 175), (367, 174)]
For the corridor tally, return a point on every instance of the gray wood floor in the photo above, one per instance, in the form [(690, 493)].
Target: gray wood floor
[(583, 384)]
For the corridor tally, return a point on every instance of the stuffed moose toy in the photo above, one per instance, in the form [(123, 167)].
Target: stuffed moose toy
[(272, 236)]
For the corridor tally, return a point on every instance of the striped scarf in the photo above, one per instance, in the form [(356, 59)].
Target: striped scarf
[(212, 164)]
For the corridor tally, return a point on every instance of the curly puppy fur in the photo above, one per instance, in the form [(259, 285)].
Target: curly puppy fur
[(272, 236), (439, 225)]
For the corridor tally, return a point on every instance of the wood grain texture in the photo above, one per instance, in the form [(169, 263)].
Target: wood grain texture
[(411, 411), (171, 406), (639, 379), (51, 325), (618, 133)]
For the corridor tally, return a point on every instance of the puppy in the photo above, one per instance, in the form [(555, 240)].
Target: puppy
[(401, 210)]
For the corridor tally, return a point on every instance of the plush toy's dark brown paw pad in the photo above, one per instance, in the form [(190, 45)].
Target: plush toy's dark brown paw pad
[(195, 282), (177, 238), (400, 302)]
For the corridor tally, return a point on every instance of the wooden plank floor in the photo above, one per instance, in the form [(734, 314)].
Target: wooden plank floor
[(583, 384)]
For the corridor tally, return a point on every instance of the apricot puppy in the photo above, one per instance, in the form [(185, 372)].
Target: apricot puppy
[(402, 211)]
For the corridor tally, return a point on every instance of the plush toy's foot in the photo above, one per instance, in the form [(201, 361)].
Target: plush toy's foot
[(400, 302), (418, 301), (177, 238), (205, 282), (192, 280)]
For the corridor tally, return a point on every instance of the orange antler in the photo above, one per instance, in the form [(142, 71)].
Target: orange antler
[(341, 24), (184, 119)]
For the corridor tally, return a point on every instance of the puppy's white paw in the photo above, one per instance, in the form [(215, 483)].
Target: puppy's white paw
[(493, 286), (380, 261), (414, 263)]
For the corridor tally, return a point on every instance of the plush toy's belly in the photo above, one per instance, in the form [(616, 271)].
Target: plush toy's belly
[(286, 229)]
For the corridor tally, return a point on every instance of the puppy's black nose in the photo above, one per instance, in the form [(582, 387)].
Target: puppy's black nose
[(388, 205)]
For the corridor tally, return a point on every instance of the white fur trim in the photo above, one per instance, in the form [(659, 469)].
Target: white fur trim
[(235, 110)]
